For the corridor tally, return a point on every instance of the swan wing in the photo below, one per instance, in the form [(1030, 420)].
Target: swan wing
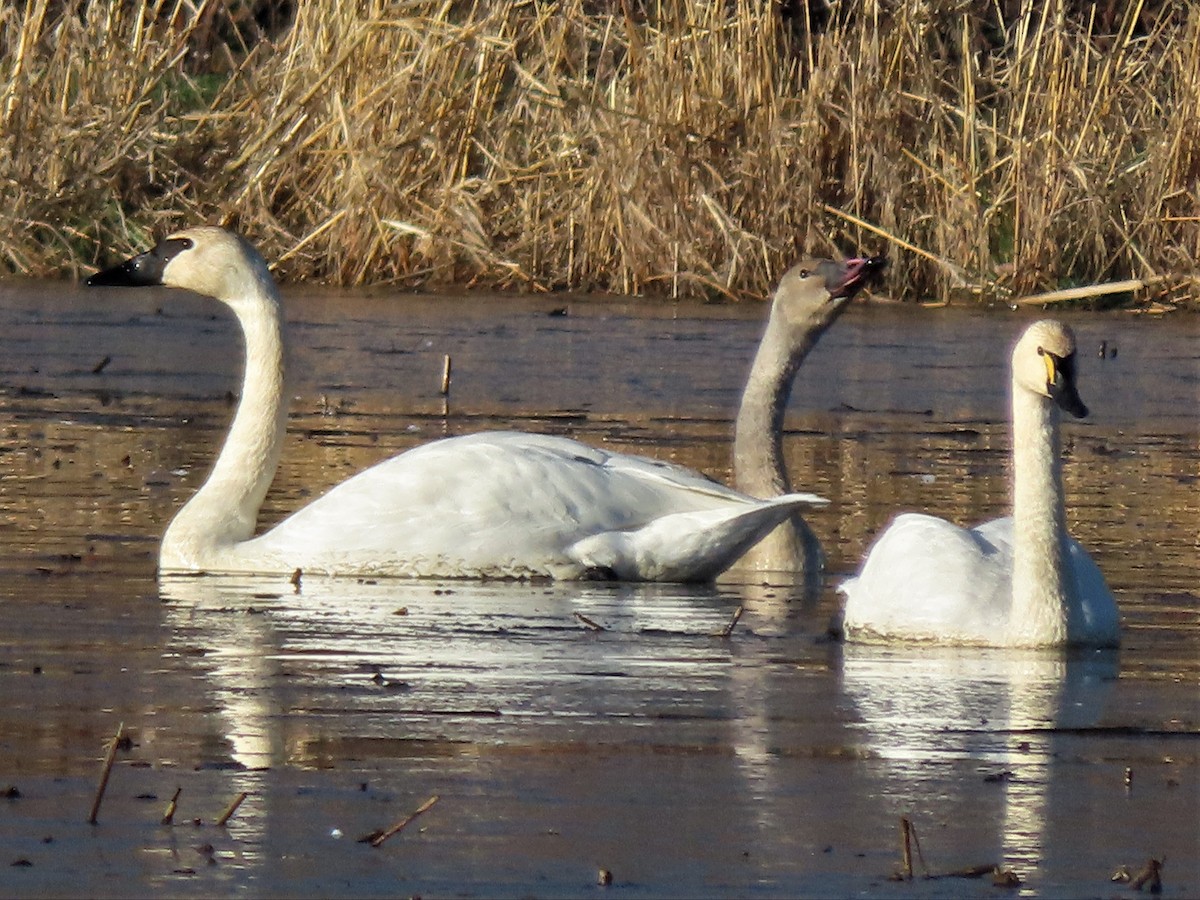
[(928, 579), (503, 504), (1094, 620)]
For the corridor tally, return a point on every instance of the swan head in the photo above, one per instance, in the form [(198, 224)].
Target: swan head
[(814, 292), (207, 260), (1043, 363)]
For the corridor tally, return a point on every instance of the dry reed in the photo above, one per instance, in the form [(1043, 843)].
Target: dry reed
[(673, 147)]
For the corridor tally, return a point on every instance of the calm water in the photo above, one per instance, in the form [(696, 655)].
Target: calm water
[(770, 762)]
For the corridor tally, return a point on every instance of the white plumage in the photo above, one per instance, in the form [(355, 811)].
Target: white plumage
[(1015, 581), (497, 504)]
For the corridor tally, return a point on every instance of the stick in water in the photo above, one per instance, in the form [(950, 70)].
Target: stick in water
[(169, 815), (109, 759), (232, 808), (728, 629), (377, 839)]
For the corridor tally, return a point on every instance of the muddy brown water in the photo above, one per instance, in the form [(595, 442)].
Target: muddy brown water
[(772, 762)]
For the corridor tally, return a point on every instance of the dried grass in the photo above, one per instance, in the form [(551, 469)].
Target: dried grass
[(670, 147)]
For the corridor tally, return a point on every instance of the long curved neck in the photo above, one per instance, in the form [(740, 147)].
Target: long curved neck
[(758, 467), (224, 511), (1040, 584)]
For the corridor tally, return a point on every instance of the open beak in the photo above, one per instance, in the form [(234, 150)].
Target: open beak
[(854, 274)]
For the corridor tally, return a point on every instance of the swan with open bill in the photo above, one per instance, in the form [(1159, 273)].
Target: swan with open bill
[(810, 297), (496, 504), (1020, 581)]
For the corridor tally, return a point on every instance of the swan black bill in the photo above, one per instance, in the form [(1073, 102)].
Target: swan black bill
[(1062, 388), (144, 270)]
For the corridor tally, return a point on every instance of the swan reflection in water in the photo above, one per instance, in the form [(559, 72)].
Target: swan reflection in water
[(977, 732), (494, 691), (419, 659)]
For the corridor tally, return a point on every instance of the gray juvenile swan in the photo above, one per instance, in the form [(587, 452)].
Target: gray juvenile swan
[(499, 504), (1020, 581), (810, 297)]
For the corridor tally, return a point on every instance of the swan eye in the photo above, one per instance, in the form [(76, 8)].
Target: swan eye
[(804, 273)]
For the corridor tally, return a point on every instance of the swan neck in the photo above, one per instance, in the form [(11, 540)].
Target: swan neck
[(758, 462), (224, 511), (758, 434), (1041, 588)]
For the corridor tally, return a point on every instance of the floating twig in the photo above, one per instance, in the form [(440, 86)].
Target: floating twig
[(909, 839), (100, 366), (595, 626), (728, 629), (295, 580), (232, 808), (109, 758), (376, 838), (169, 815), (446, 375)]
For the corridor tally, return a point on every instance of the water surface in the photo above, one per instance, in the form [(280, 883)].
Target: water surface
[(768, 762)]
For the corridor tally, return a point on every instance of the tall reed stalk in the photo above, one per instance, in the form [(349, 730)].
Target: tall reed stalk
[(674, 147)]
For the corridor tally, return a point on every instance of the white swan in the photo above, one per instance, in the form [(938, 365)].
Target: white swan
[(1020, 581), (810, 297), (487, 505)]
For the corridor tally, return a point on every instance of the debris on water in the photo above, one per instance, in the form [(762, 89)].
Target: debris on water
[(232, 808), (1121, 875), (377, 837), (12, 792), (21, 863), (109, 758), (728, 629), (974, 871), (909, 840), (1129, 776), (402, 611), (1005, 878), (604, 878), (1003, 775), (1150, 877), (594, 626), (169, 815), (295, 579)]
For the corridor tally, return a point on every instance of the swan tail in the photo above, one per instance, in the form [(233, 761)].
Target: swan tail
[(687, 546)]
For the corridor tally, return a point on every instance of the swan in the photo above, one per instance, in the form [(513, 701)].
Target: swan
[(497, 504), (1019, 581), (810, 297)]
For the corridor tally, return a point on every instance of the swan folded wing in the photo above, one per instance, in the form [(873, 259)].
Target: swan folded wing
[(496, 504), (928, 579), (1094, 620), (696, 545)]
